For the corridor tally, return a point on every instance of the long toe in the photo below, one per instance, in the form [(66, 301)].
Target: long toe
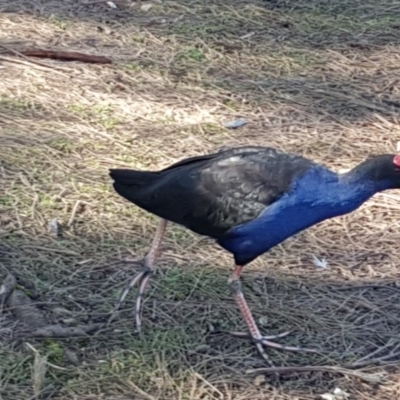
[(247, 335), (138, 305), (133, 282), (265, 341)]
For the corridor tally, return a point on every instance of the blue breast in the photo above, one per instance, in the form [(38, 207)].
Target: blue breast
[(318, 195)]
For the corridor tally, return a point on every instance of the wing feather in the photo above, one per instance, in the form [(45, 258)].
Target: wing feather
[(212, 194)]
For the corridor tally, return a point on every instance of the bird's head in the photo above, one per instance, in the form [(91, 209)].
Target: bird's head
[(395, 170), (383, 169)]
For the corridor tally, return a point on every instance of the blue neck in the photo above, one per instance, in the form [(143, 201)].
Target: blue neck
[(318, 195), (361, 181)]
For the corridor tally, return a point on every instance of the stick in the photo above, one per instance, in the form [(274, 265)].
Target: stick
[(66, 56), (372, 378), (17, 53)]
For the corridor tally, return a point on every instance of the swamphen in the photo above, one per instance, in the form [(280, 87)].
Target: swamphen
[(248, 199)]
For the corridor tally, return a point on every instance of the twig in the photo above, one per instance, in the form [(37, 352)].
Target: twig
[(73, 213), (140, 391), (35, 351), (357, 101), (372, 378), (360, 361), (367, 360), (89, 3), (366, 286), (52, 250), (17, 53), (67, 56)]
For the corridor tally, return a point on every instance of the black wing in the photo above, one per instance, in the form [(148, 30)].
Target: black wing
[(213, 193)]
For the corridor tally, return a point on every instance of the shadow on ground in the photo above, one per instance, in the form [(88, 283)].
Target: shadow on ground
[(315, 24), (186, 307)]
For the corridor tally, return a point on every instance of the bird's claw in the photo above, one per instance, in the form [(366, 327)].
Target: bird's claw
[(247, 335), (266, 341), (141, 279)]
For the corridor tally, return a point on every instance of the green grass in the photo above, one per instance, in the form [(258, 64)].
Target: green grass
[(12, 104), (103, 115)]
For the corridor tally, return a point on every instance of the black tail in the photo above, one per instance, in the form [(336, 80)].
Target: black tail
[(131, 177), (132, 184)]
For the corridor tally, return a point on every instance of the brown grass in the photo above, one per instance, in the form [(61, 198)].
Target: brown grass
[(317, 78)]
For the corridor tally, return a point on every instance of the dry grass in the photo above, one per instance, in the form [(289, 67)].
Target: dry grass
[(318, 78)]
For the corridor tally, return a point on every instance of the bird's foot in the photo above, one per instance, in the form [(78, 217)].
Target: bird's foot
[(247, 335), (259, 340), (266, 341), (141, 279)]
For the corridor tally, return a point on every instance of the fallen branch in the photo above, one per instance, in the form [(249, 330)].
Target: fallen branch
[(66, 56), (37, 64), (371, 378)]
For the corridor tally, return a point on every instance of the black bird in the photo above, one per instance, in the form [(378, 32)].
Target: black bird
[(248, 199)]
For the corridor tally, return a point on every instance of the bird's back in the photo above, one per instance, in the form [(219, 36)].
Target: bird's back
[(213, 193)]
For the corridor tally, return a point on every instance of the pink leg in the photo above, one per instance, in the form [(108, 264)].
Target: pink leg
[(143, 277), (260, 341)]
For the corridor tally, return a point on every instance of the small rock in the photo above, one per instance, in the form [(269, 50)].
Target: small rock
[(146, 7), (236, 123), (72, 357), (69, 321), (259, 380), (340, 394), (327, 396), (111, 4), (247, 35), (54, 228), (320, 263)]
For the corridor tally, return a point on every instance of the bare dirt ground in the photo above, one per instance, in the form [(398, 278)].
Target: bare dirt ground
[(320, 78)]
